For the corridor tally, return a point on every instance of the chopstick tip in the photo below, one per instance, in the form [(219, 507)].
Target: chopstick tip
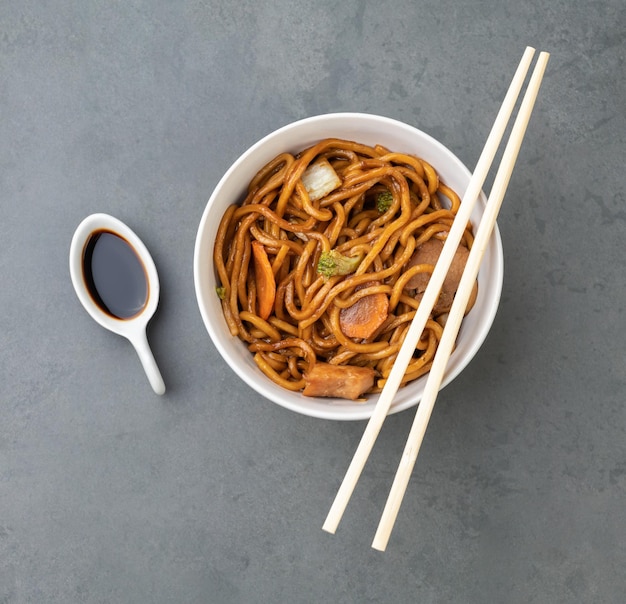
[(381, 547)]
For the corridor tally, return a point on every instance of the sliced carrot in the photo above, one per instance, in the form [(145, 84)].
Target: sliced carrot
[(265, 282), (365, 316)]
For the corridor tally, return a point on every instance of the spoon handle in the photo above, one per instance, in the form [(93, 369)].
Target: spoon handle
[(140, 342)]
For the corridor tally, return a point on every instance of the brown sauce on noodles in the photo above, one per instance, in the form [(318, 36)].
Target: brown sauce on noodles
[(301, 325)]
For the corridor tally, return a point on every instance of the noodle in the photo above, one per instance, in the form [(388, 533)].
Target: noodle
[(295, 229)]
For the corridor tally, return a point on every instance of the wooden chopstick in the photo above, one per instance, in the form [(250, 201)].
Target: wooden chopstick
[(429, 298), (459, 305)]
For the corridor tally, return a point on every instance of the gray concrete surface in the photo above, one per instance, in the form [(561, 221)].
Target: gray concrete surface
[(212, 494)]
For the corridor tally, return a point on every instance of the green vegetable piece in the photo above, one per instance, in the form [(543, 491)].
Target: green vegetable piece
[(334, 263), (383, 201), (221, 292)]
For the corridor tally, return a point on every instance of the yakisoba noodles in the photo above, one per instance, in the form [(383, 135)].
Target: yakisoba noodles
[(322, 266)]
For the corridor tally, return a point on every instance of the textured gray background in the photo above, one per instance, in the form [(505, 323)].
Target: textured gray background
[(109, 493)]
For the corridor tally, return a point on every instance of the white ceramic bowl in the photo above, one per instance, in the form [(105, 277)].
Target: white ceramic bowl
[(364, 128)]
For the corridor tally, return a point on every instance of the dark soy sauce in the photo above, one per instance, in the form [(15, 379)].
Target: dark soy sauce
[(114, 274)]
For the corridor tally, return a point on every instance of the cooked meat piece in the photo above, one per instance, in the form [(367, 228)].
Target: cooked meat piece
[(341, 381), (428, 253)]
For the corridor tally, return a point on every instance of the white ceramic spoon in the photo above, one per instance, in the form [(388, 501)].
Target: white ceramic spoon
[(133, 327)]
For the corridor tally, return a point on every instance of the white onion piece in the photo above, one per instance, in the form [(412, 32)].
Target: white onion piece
[(319, 179)]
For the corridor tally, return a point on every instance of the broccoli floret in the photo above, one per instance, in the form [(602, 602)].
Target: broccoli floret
[(383, 201), (334, 263), (221, 292)]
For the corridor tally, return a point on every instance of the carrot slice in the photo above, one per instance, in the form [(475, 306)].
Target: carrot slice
[(365, 316), (265, 281)]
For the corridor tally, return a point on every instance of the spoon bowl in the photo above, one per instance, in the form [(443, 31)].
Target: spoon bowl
[(129, 252)]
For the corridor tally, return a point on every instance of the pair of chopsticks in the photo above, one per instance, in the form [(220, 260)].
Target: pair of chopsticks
[(431, 294)]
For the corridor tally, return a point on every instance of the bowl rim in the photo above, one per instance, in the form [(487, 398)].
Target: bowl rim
[(326, 408)]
